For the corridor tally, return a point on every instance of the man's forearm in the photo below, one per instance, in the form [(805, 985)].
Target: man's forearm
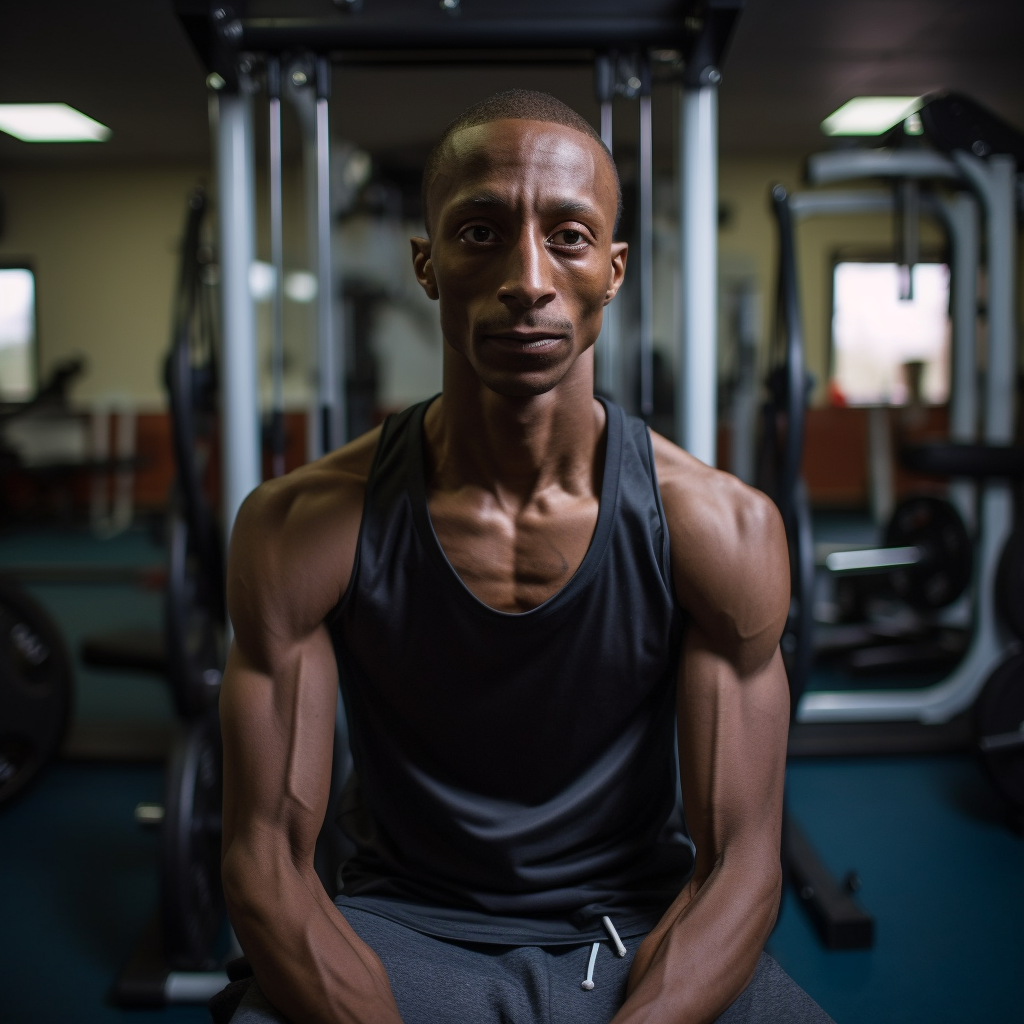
[(707, 955), (308, 961)]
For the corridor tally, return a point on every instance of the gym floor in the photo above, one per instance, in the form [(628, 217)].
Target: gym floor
[(942, 873)]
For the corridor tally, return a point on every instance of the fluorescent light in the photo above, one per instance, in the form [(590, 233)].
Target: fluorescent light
[(50, 122), (870, 115)]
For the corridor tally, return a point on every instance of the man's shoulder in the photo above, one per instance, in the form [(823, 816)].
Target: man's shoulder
[(708, 503), (294, 541), (315, 497), (729, 553)]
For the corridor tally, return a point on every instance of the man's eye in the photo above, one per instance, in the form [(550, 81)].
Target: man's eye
[(567, 236), (479, 233)]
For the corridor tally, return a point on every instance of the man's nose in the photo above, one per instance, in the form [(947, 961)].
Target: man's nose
[(528, 281)]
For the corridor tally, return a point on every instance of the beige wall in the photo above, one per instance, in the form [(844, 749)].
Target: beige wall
[(104, 244)]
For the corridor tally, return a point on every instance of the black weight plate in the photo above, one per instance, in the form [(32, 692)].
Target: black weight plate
[(944, 571), (1010, 583), (999, 712), (35, 690), (194, 628), (191, 896)]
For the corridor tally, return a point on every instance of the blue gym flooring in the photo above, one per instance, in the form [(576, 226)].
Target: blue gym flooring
[(941, 871)]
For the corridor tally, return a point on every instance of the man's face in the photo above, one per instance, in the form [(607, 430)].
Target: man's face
[(521, 255)]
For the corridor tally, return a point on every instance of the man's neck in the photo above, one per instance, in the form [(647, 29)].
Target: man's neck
[(515, 447)]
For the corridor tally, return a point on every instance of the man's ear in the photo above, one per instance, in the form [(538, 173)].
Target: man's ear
[(423, 267), (620, 250)]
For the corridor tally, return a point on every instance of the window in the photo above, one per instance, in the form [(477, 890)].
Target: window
[(876, 334), (18, 381)]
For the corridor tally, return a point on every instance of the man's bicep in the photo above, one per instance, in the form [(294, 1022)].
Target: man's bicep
[(277, 718), (732, 730)]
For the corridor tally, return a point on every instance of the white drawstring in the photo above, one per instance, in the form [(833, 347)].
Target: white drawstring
[(589, 983), (613, 935)]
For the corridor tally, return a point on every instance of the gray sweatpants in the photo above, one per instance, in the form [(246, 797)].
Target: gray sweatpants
[(439, 981)]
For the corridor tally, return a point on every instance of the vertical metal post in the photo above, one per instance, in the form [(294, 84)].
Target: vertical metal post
[(240, 425), (961, 216), (330, 374), (607, 344), (696, 397), (277, 259), (646, 204)]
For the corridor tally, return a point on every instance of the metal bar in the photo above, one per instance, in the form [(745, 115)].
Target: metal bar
[(646, 203), (345, 33), (240, 423), (841, 924), (330, 384), (844, 165), (608, 339), (696, 400), (869, 560), (961, 214), (277, 259), (995, 183)]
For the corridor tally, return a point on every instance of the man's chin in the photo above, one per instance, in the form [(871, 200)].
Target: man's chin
[(519, 385)]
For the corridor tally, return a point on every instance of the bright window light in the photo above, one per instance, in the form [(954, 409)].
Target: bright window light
[(17, 334), (880, 343), (50, 122), (870, 115)]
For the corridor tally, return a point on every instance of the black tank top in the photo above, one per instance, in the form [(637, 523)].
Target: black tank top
[(513, 772)]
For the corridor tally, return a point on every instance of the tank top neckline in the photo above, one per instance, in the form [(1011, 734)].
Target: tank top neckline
[(586, 570)]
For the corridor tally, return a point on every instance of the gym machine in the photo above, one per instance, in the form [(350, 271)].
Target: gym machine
[(927, 555), (293, 55), (982, 699)]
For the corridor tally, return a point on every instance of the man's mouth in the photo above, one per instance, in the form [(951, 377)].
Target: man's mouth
[(530, 339)]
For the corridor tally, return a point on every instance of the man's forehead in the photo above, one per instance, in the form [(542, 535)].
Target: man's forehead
[(502, 154)]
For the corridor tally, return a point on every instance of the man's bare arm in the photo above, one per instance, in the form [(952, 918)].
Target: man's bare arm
[(291, 557), (731, 572)]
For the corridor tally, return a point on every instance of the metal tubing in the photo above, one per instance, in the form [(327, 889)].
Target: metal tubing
[(845, 165), (277, 259), (646, 203), (961, 214), (240, 422), (608, 340), (995, 183), (696, 399), (330, 373)]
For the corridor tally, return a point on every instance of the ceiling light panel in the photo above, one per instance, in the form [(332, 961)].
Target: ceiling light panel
[(50, 122), (870, 115)]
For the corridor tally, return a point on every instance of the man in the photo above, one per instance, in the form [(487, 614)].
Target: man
[(528, 601)]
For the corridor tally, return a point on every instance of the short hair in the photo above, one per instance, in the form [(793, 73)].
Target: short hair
[(513, 104)]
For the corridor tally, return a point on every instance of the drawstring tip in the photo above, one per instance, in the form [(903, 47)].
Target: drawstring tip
[(586, 985)]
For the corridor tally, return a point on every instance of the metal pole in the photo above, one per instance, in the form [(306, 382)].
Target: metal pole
[(646, 202), (330, 384), (961, 214), (696, 398), (277, 259), (608, 340), (240, 421)]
